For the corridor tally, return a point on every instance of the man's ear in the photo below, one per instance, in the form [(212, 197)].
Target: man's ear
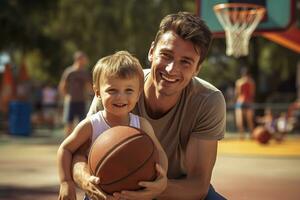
[(197, 70), (96, 91), (150, 53)]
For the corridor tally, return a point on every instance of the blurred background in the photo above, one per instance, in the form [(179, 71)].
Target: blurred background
[(38, 40), (42, 36)]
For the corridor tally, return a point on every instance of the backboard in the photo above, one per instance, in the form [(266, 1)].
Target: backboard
[(279, 16)]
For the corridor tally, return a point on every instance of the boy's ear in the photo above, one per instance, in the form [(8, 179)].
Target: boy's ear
[(96, 91)]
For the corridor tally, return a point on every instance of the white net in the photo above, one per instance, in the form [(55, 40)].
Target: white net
[(239, 21)]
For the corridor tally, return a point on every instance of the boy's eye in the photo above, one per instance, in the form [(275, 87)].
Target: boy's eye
[(129, 91), (111, 91)]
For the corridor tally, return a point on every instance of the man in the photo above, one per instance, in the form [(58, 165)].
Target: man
[(74, 83), (187, 113), (245, 93)]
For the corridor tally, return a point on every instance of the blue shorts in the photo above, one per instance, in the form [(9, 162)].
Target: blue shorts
[(240, 105), (73, 110), (211, 195)]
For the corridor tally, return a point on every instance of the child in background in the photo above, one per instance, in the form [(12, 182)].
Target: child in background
[(118, 82), (49, 103)]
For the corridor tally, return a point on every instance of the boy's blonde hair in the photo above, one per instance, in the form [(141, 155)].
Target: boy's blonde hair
[(118, 65)]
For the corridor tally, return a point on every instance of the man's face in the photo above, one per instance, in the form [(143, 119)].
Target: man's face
[(83, 60), (174, 62)]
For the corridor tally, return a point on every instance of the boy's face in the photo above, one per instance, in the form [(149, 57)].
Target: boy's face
[(118, 95), (174, 62)]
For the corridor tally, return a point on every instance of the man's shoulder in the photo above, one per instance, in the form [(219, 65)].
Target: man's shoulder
[(200, 92), (68, 70), (199, 85), (146, 72), (71, 71)]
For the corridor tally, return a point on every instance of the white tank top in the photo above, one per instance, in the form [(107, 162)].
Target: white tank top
[(99, 124)]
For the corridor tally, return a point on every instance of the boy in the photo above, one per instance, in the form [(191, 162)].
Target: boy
[(118, 82)]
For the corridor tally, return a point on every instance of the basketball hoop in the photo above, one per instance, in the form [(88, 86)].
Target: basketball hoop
[(239, 20)]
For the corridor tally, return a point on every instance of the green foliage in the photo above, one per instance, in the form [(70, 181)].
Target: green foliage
[(57, 28), (277, 61), (47, 33), (218, 68)]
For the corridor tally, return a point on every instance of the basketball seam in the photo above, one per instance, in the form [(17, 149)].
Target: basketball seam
[(100, 161), (110, 151), (146, 160)]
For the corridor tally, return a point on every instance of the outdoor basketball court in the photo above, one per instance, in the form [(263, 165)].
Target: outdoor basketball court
[(246, 169), (239, 20), (243, 171)]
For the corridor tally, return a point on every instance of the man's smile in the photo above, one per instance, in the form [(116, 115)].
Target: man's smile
[(166, 78)]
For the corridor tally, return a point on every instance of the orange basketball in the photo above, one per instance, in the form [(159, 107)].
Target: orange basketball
[(121, 157), (262, 135)]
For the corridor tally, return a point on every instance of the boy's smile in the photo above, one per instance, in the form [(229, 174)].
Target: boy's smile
[(119, 96)]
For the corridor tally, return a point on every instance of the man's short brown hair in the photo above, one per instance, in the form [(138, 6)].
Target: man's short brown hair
[(189, 27)]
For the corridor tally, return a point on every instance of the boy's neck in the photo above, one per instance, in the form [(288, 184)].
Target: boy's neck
[(115, 120)]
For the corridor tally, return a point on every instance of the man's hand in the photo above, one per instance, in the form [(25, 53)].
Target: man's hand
[(84, 179), (151, 190), (94, 193), (90, 188)]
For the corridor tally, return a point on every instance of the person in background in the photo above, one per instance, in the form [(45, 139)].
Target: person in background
[(245, 94), (49, 104), (74, 83), (186, 113)]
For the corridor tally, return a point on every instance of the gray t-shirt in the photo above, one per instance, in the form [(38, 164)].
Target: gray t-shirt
[(199, 113), (76, 81)]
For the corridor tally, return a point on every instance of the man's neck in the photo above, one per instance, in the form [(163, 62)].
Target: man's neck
[(156, 104), (77, 66)]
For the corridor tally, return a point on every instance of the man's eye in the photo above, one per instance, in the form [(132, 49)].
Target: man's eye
[(165, 55), (186, 63)]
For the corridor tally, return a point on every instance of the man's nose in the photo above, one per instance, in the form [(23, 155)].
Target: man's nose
[(171, 67)]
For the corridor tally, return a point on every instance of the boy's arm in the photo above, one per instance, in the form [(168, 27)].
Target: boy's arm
[(62, 84), (80, 135)]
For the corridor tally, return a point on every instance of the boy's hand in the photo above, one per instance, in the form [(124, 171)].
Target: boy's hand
[(67, 191), (151, 190)]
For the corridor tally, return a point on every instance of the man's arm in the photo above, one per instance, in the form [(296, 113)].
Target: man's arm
[(62, 84), (237, 89), (82, 176), (95, 106), (199, 162)]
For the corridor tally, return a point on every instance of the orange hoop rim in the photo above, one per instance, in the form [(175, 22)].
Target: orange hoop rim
[(253, 7)]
